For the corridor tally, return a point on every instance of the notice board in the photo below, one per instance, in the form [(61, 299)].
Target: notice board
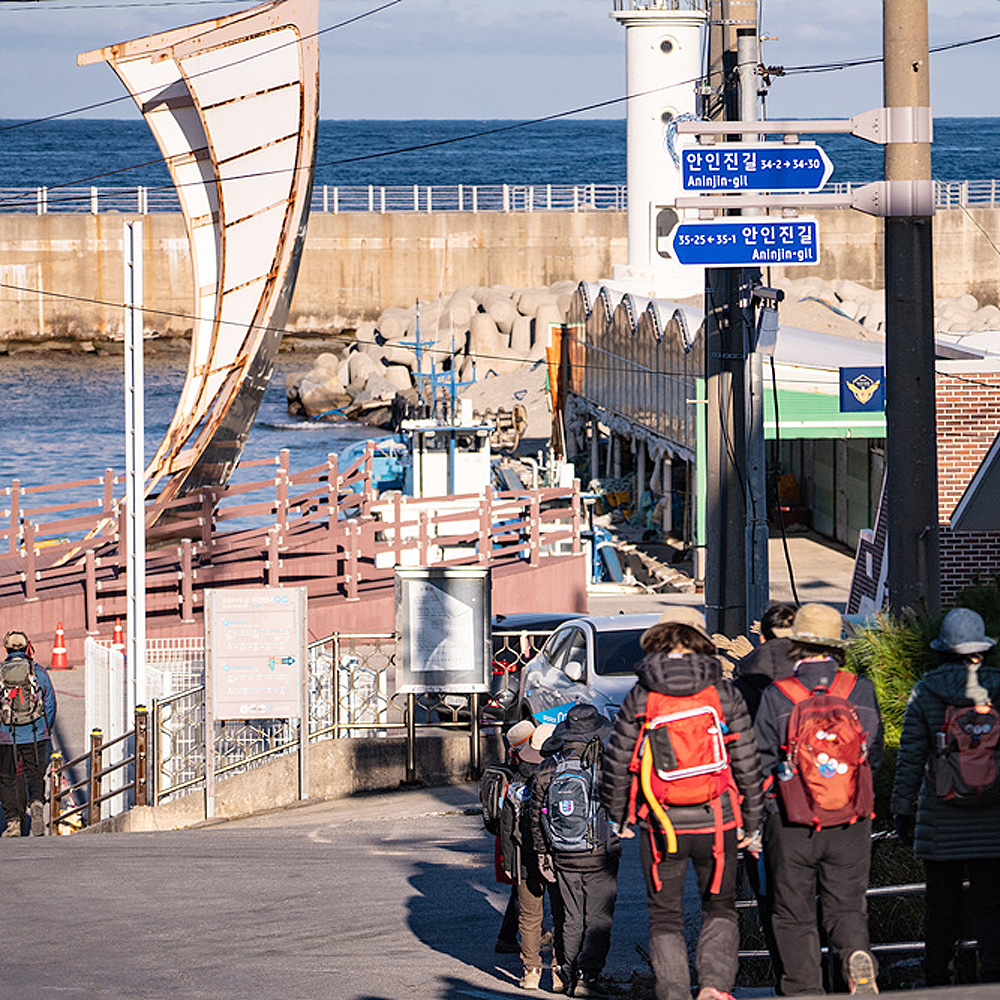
[(443, 621), (255, 641)]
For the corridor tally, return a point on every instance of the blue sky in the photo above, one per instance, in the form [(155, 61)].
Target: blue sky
[(516, 59)]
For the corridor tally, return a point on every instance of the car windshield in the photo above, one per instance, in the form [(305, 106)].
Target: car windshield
[(618, 652)]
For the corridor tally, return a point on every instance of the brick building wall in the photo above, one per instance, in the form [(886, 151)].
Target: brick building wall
[(968, 421)]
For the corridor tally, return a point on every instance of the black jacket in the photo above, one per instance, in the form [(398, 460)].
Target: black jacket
[(520, 861), (679, 676), (944, 832), (592, 860), (768, 662), (771, 724)]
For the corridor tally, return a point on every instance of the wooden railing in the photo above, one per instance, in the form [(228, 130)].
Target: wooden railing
[(322, 528)]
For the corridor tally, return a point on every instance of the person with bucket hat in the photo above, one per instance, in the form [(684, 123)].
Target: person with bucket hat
[(820, 736), (682, 715), (521, 862), (574, 841), (27, 712), (946, 794)]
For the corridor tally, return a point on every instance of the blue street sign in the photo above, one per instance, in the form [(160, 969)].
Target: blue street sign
[(761, 167), (744, 242), (862, 390)]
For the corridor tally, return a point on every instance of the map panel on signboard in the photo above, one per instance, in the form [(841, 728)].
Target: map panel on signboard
[(443, 620), (256, 642)]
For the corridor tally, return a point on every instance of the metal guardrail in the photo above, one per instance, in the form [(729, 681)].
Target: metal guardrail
[(335, 199)]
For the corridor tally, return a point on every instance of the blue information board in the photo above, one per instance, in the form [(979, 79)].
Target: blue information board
[(744, 242), (761, 167)]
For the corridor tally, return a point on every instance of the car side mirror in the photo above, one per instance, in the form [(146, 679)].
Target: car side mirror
[(574, 671)]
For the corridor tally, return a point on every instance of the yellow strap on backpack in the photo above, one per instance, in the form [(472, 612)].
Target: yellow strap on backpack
[(645, 779)]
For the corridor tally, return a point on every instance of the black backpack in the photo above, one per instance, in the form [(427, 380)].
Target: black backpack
[(515, 828), (492, 792), (573, 818), (21, 699)]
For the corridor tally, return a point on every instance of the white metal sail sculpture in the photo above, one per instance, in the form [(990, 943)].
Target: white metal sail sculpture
[(233, 104)]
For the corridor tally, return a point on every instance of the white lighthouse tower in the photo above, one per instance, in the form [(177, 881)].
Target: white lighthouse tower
[(663, 68)]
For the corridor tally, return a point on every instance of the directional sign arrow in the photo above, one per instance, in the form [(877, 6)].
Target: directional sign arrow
[(746, 242), (755, 167)]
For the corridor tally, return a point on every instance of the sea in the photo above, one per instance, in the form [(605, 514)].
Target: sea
[(63, 415)]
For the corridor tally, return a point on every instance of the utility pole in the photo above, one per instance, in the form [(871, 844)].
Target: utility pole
[(728, 329), (911, 429)]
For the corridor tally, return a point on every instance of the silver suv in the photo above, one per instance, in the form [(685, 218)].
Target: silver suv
[(590, 659)]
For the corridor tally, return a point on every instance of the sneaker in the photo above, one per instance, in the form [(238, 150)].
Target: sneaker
[(711, 993), (37, 818), (13, 828), (861, 974), (530, 979), (590, 985), (558, 980), (506, 947)]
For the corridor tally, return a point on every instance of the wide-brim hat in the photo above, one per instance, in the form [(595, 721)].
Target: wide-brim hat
[(681, 614), (818, 625), (963, 631), (519, 735), (581, 725), (532, 753)]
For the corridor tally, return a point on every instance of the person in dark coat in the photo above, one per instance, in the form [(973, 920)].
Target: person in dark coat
[(801, 860), (29, 744), (770, 661), (954, 842), (588, 879), (680, 662)]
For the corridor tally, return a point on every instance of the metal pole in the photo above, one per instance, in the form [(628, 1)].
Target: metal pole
[(141, 756), (302, 654), (911, 429), (474, 749), (135, 573), (55, 786), (94, 791), (411, 739)]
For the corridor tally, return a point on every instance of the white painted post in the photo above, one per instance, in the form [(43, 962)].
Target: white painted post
[(336, 200), (548, 196), (93, 201), (135, 480), (371, 197), (576, 198), (326, 198), (461, 207), (429, 209), (506, 198), (40, 201), (382, 200), (416, 198), (475, 199)]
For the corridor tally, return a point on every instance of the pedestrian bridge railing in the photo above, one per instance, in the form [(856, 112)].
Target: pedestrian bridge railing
[(337, 198)]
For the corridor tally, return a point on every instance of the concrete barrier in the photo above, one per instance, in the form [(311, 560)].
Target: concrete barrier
[(337, 770)]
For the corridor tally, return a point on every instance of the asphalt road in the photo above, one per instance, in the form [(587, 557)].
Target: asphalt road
[(385, 897)]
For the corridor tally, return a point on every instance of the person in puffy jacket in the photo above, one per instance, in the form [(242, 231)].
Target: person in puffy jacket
[(770, 661), (587, 878), (29, 743), (680, 662), (801, 859), (954, 842)]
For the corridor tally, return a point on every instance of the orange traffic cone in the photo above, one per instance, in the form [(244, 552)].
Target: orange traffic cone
[(60, 661), (118, 637)]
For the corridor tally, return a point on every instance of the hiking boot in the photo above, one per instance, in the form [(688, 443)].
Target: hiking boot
[(861, 974), (530, 979), (559, 979), (37, 818), (590, 986), (506, 947), (13, 828)]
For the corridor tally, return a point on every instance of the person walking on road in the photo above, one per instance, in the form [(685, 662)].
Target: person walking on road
[(684, 717), (946, 794), (770, 661), (575, 845), (820, 738), (27, 713)]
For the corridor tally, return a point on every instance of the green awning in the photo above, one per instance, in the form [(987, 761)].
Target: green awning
[(817, 415)]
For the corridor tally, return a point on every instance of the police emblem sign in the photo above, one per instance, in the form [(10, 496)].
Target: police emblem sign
[(862, 390)]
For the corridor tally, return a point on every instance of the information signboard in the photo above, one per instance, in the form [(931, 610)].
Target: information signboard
[(256, 643), (443, 620), (745, 242), (755, 167)]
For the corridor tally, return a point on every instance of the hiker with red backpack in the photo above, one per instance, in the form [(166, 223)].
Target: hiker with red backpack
[(820, 738), (682, 764), (946, 794), (575, 845), (27, 712)]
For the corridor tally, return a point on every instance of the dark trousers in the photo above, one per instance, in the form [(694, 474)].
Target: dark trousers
[(943, 916), (762, 890), (588, 900), (34, 759), (802, 862), (716, 958)]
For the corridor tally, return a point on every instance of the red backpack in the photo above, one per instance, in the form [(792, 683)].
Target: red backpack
[(964, 767), (826, 779), (681, 759)]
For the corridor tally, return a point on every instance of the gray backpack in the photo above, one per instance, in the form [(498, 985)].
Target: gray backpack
[(573, 817), (21, 699)]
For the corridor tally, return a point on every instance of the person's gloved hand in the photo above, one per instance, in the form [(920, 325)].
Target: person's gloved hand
[(546, 867), (903, 822)]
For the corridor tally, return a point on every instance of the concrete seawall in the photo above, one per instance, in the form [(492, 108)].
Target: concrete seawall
[(356, 264)]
